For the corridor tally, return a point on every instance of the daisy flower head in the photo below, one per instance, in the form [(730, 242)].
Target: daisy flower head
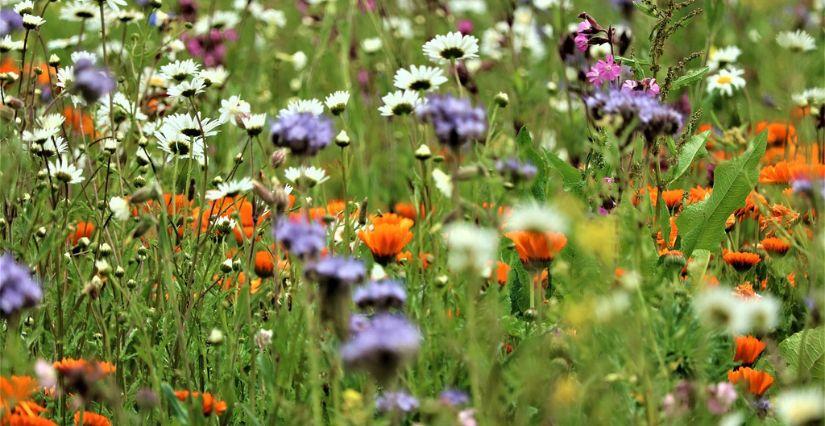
[(78, 11), (421, 78), (190, 125), (32, 22), (230, 189), (233, 109), (297, 106), (796, 41), (453, 46), (54, 146), (337, 102), (65, 172), (187, 88), (399, 103), (719, 58), (801, 406), (253, 123), (178, 145), (180, 70), (306, 176), (726, 81), (214, 76), (536, 217)]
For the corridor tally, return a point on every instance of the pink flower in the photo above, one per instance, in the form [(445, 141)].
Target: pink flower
[(720, 397), (465, 26), (581, 38), (647, 85), (604, 70)]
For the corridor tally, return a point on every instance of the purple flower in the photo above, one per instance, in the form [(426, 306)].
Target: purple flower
[(396, 401), (300, 237), (455, 121), (634, 107), (582, 38), (380, 295), (303, 133), (647, 86), (454, 397), (336, 271), (91, 81), (515, 170), (17, 288), (9, 21), (720, 397), (358, 323), (210, 47), (605, 70), (382, 347)]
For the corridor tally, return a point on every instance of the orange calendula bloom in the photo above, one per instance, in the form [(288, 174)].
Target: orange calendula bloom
[(14, 397), (748, 349), (741, 261), (778, 133), (71, 365), (406, 210), (389, 235), (698, 194), (758, 382), (91, 419), (210, 404), (502, 273), (80, 122), (25, 420), (81, 230), (775, 245), (745, 290), (231, 282), (537, 247)]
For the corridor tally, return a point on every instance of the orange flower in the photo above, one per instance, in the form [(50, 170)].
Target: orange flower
[(389, 235), (80, 122), (68, 366), (210, 404), (779, 215), (265, 264), (81, 230), (336, 207), (778, 133), (229, 282), (792, 279), (785, 172), (25, 420), (248, 223), (775, 245), (741, 261), (745, 290), (748, 349), (672, 198), (538, 247), (758, 382), (698, 194), (91, 419), (671, 241), (407, 210), (16, 388), (502, 273), (753, 202)]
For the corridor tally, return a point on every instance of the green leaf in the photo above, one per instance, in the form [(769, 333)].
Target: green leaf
[(174, 403), (804, 352), (518, 284), (570, 175), (525, 144), (689, 78), (694, 146), (702, 225)]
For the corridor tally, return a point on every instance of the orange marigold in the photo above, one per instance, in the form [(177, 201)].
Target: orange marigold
[(387, 239), (537, 247), (209, 405), (748, 349), (81, 230), (91, 419), (758, 382), (775, 245), (778, 133), (741, 261), (25, 420)]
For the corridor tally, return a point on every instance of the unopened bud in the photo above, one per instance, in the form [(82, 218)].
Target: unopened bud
[(502, 100)]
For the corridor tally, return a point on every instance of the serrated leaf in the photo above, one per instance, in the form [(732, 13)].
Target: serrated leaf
[(689, 78), (690, 150), (804, 352), (174, 403), (518, 285), (702, 225)]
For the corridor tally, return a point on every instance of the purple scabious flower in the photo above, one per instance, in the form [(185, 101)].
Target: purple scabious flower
[(17, 288), (515, 170), (455, 121), (358, 323), (303, 133), (401, 401), (300, 237), (383, 347), (381, 295), (335, 276), (91, 81), (624, 108), (454, 397), (9, 21)]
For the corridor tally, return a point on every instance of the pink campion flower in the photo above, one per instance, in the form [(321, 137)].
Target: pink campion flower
[(210, 47), (465, 26), (604, 70), (647, 85), (581, 38)]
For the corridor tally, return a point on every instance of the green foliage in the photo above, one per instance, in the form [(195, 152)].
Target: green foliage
[(693, 148), (702, 225), (804, 353)]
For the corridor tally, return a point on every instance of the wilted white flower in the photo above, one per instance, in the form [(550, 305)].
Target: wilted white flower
[(263, 338), (233, 108)]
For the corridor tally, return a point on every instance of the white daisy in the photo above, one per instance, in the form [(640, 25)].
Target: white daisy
[(190, 126), (810, 97), (718, 307), (306, 176), (419, 78), (230, 189), (83, 55), (32, 22), (214, 76), (798, 41), (24, 7), (295, 106), (400, 103), (51, 121), (801, 406), (78, 11), (451, 47), (65, 172), (187, 88), (65, 77), (399, 27), (177, 145), (51, 147), (37, 135), (536, 217), (725, 56), (726, 81), (337, 102), (119, 207), (219, 20), (273, 17), (253, 123), (180, 70), (8, 45), (761, 314), (115, 4), (371, 45), (443, 182), (233, 108)]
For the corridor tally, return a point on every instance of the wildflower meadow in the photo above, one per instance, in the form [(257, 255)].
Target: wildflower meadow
[(412, 212)]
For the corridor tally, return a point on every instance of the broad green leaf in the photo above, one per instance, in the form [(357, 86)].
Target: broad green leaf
[(702, 225), (519, 285), (689, 78), (690, 150), (804, 352), (174, 403), (570, 175), (525, 144)]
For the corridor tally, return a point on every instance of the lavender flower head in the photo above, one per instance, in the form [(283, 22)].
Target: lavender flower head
[(381, 295), (455, 121), (454, 397), (515, 170), (396, 401), (300, 237), (336, 271), (17, 288), (9, 21), (633, 107), (303, 133), (91, 81), (383, 347)]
